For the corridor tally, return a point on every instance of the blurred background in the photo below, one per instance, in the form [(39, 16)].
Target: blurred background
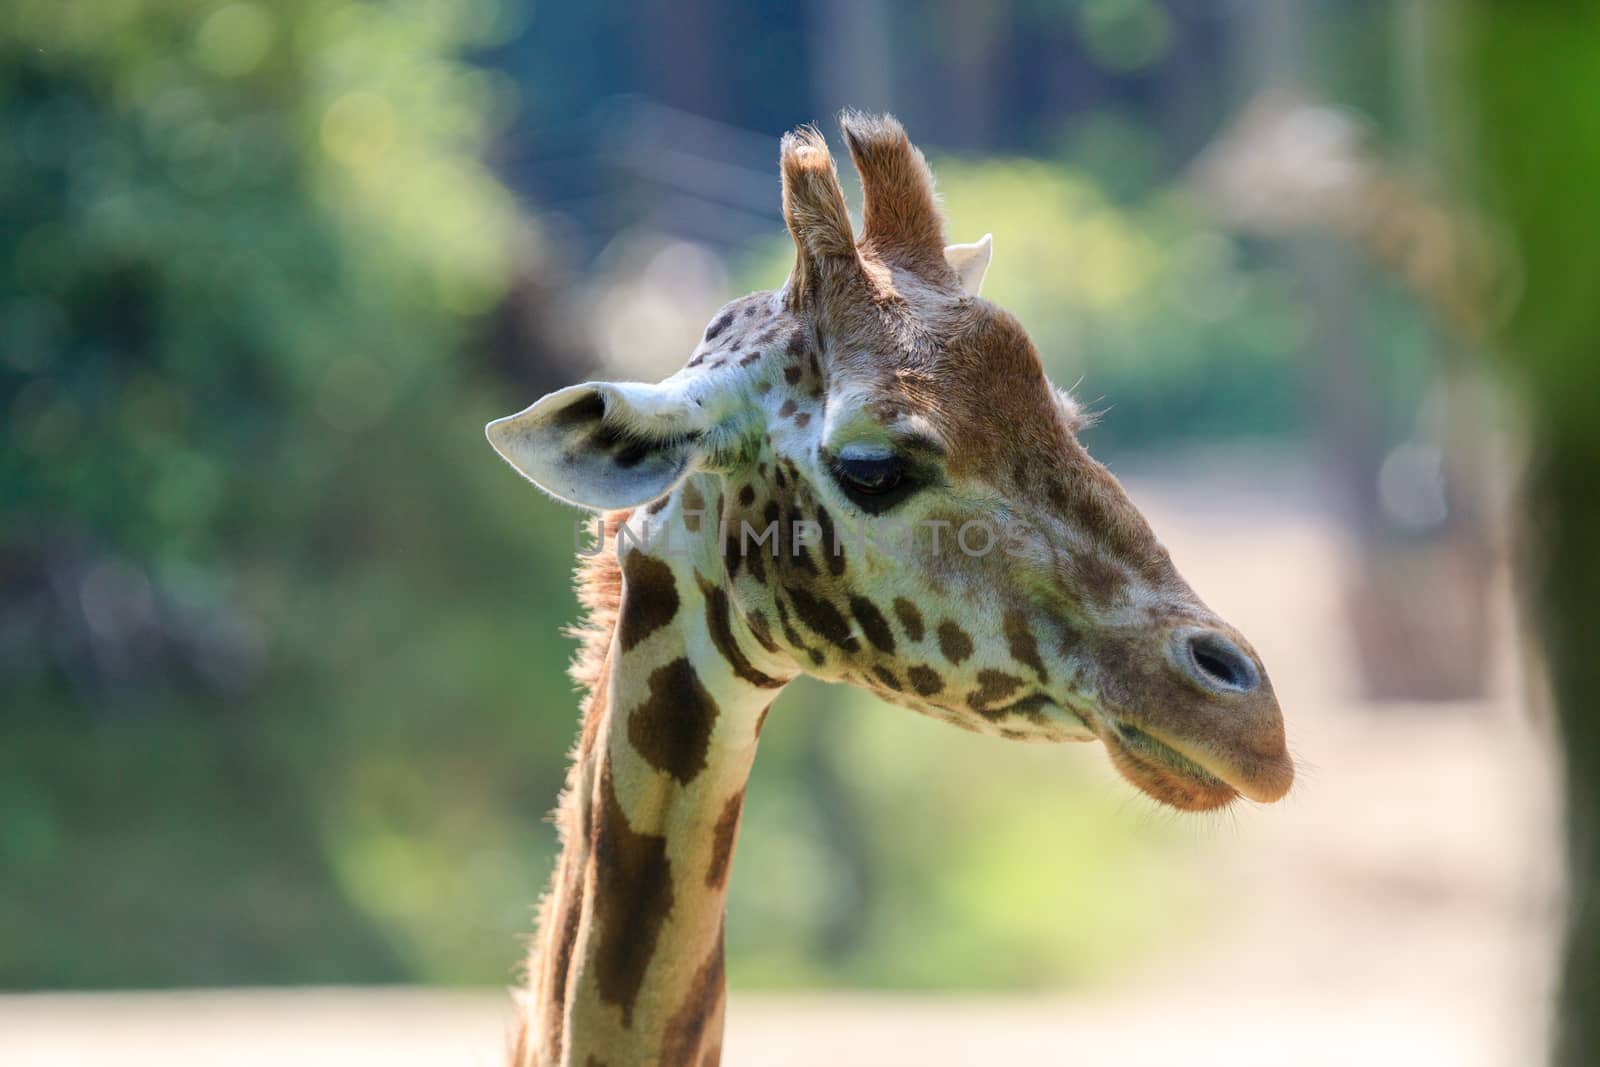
[(282, 689)]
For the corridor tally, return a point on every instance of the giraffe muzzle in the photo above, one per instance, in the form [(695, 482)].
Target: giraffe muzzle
[(1189, 717)]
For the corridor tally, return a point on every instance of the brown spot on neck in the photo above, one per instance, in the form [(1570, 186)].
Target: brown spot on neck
[(688, 1028), (563, 909), (650, 598), (719, 621), (761, 629), (672, 728), (633, 895), (694, 506), (723, 836)]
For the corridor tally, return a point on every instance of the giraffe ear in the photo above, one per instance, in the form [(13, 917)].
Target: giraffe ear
[(971, 262), (602, 445)]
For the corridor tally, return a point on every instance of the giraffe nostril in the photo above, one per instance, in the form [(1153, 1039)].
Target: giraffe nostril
[(1218, 663)]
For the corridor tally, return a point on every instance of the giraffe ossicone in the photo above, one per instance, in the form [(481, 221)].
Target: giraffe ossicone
[(874, 390)]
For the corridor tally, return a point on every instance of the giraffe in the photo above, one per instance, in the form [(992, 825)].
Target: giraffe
[(748, 503)]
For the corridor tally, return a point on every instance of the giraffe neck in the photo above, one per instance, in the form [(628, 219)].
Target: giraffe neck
[(628, 964)]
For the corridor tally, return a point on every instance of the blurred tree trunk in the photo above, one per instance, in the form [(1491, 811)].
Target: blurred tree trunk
[(1528, 75), (1415, 596)]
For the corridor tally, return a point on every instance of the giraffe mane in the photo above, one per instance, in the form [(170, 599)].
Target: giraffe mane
[(598, 581)]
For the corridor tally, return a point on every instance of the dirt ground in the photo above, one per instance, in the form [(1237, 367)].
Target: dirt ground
[(1398, 908)]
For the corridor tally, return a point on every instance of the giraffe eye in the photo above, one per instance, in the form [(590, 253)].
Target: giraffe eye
[(875, 483), (872, 476)]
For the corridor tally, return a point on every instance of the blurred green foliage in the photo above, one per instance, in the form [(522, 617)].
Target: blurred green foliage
[(256, 563)]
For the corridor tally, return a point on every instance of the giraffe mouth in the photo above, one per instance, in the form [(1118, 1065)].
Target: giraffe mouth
[(1164, 773)]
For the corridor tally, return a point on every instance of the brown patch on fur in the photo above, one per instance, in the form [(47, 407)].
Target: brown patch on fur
[(630, 912), (761, 630), (723, 836), (887, 677), (910, 618), (719, 621), (992, 686), (694, 506), (731, 557), (1024, 649), (831, 548), (873, 624), (925, 680), (652, 598), (822, 618), (686, 1029), (799, 554), (716, 328), (672, 728), (954, 642)]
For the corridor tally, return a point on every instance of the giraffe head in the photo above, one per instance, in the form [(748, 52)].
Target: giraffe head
[(888, 492)]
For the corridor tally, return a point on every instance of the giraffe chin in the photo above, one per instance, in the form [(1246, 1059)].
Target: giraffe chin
[(1163, 773)]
